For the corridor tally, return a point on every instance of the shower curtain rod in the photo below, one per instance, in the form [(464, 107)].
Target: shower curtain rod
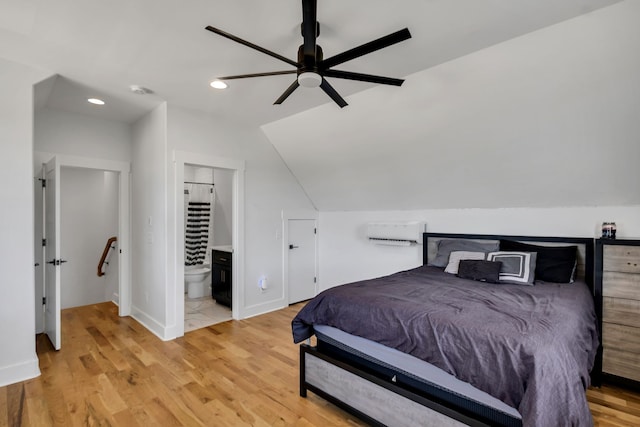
[(201, 183)]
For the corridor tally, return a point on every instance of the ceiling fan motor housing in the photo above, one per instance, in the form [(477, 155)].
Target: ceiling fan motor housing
[(309, 63)]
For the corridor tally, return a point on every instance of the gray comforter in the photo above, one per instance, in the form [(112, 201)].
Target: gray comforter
[(530, 346)]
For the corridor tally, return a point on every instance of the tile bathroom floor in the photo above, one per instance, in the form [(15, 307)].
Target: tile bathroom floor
[(202, 312)]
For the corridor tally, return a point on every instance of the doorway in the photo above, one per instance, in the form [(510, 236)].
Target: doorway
[(63, 177), (208, 252), (233, 170)]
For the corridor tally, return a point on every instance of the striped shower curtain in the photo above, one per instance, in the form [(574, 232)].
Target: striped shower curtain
[(199, 201)]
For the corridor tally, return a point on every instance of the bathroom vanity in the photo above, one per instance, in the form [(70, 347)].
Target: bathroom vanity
[(221, 279)]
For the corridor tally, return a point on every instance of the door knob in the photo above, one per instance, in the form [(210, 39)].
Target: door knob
[(293, 247)]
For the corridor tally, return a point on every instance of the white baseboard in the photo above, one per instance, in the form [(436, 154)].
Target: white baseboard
[(151, 324), (262, 308), (19, 372)]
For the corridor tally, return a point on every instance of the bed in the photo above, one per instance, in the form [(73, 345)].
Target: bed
[(427, 347)]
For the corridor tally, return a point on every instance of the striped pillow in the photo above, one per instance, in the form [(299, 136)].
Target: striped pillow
[(517, 267)]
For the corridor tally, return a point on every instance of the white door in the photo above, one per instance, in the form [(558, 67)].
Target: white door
[(302, 259), (53, 261)]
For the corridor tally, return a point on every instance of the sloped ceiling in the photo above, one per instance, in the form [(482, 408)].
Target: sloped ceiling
[(101, 47), (550, 118)]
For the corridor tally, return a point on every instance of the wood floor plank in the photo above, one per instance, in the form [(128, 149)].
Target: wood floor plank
[(111, 371)]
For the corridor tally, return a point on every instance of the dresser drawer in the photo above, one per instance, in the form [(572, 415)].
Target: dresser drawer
[(621, 311), (621, 337), (621, 285), (221, 257), (621, 363), (624, 259)]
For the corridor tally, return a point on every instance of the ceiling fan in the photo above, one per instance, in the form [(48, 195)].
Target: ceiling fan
[(311, 67)]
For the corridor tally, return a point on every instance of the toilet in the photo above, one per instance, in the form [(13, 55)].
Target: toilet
[(196, 280)]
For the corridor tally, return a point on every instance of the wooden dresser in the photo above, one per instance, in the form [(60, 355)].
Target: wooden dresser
[(618, 283)]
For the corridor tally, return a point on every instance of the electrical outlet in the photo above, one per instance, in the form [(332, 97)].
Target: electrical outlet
[(262, 283)]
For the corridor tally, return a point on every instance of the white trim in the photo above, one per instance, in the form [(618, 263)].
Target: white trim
[(151, 324), (19, 372), (180, 159), (286, 216)]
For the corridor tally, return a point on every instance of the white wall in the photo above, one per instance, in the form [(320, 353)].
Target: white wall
[(149, 220), (18, 360), (88, 218), (548, 119), (269, 189), (223, 180), (80, 135), (346, 255)]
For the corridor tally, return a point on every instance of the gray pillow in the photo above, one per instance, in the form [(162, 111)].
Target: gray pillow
[(445, 247)]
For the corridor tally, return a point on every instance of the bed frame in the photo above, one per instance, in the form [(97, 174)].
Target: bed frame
[(372, 393)]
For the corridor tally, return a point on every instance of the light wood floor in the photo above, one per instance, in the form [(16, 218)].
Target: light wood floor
[(112, 372)]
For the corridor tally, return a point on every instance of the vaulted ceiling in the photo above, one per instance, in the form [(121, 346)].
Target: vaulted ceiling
[(101, 48), (524, 103)]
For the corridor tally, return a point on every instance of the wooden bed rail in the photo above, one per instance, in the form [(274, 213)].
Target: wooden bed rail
[(105, 253)]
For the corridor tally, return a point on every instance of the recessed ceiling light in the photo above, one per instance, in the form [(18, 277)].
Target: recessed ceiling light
[(218, 84), (96, 101)]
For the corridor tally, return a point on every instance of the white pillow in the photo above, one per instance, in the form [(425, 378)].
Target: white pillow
[(456, 256)]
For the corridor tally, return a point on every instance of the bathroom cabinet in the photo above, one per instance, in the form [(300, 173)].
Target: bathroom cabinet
[(221, 279)]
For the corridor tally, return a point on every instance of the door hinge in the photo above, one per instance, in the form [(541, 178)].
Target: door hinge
[(315, 231), (314, 280), (44, 183), (44, 242), (44, 300)]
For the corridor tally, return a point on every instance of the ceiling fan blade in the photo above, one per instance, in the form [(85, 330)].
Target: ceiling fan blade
[(287, 92), (251, 45), (363, 77), (329, 90), (366, 48), (270, 73), (309, 26)]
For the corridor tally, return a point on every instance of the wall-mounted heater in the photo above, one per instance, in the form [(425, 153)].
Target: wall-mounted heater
[(396, 233)]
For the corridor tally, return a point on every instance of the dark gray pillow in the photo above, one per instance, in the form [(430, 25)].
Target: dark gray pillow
[(553, 263), (445, 247), (484, 271)]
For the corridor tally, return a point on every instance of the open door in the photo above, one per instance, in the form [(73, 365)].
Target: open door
[(52, 251)]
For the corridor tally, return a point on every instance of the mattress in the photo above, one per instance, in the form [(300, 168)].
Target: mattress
[(410, 371)]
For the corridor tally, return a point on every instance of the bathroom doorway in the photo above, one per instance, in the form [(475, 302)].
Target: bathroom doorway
[(224, 253), (208, 253)]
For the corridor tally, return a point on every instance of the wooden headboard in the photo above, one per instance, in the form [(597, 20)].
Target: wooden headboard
[(585, 248)]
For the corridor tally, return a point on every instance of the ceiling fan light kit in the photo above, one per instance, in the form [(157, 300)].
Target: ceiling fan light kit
[(311, 68), (309, 79)]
